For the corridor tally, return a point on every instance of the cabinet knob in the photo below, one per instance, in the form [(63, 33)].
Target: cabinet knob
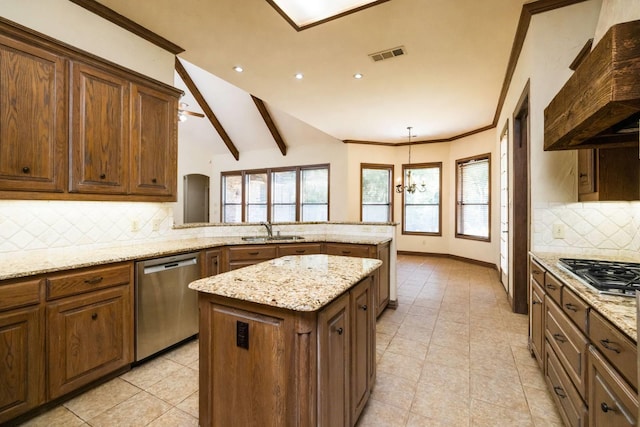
[(339, 331), (364, 307), (606, 408), (26, 169), (94, 316), (102, 176), (154, 180)]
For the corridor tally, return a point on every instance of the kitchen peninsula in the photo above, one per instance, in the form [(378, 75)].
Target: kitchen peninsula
[(289, 341)]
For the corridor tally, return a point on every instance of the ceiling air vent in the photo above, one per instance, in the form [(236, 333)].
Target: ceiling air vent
[(388, 54)]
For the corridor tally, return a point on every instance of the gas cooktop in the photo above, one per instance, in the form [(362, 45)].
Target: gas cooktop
[(607, 277)]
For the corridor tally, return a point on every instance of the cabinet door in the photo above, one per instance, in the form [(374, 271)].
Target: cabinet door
[(21, 361), (586, 172), (90, 335), (363, 350), (333, 364), (33, 118), (212, 263), (100, 137), (154, 143), (346, 249), (612, 402), (537, 322)]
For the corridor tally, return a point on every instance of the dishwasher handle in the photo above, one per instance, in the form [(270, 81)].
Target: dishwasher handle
[(170, 265)]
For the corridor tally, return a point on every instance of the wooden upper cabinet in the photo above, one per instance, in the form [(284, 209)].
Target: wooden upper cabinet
[(33, 118), (153, 142), (100, 109)]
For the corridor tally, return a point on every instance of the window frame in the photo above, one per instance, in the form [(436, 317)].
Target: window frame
[(413, 166), (269, 171), (458, 193), (390, 169)]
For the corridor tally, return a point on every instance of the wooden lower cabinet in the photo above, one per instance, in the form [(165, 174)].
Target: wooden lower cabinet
[(536, 340), (572, 409), (612, 403), (212, 262), (334, 332), (21, 361), (90, 335), (261, 365)]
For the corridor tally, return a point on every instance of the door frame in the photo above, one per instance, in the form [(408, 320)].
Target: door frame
[(520, 219), (504, 276)]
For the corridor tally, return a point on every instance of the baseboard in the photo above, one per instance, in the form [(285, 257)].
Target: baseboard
[(392, 304), (456, 257)]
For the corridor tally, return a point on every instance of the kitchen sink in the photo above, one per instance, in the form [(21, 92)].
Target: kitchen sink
[(263, 239)]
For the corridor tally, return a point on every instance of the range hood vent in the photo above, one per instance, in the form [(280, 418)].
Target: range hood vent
[(599, 106), (388, 54)]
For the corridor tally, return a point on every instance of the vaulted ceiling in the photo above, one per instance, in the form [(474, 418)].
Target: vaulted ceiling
[(447, 83)]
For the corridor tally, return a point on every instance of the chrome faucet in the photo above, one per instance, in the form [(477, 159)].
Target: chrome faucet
[(269, 228)]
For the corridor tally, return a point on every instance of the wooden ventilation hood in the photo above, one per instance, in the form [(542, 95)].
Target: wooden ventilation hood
[(599, 106)]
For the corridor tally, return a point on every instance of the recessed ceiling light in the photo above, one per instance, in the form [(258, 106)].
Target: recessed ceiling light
[(238, 69), (299, 76), (357, 76)]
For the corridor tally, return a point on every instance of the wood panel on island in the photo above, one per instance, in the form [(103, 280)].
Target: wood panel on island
[(589, 365)]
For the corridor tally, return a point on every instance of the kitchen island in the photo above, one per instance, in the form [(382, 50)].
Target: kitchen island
[(289, 341)]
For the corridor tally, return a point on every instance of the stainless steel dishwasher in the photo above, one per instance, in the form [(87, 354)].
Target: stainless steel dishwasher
[(166, 309)]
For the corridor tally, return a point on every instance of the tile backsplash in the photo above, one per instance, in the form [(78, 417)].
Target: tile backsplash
[(34, 225), (589, 228)]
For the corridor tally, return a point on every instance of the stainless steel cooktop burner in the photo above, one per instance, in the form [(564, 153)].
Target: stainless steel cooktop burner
[(608, 277)]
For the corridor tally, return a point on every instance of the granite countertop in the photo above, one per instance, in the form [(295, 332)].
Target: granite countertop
[(20, 264), (619, 310), (299, 283)]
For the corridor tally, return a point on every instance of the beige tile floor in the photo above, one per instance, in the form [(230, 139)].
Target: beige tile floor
[(452, 354)]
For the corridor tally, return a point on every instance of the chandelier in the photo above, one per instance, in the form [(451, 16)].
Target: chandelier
[(411, 186)]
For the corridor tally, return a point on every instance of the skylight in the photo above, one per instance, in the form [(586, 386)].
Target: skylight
[(307, 13)]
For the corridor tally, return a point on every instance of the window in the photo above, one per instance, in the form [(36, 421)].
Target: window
[(473, 197), (421, 210), (376, 193), (299, 193), (315, 194)]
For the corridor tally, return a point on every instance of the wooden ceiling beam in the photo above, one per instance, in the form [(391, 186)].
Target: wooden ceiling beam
[(270, 124), (184, 75)]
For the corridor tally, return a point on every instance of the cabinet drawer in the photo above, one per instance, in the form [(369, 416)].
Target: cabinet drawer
[(88, 280), (611, 401), (575, 308), (572, 408), (360, 251), (303, 249), (252, 252), (614, 346), (553, 287), (19, 294), (570, 345), (537, 272)]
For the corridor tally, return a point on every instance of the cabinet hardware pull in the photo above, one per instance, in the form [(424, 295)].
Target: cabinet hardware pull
[(346, 252), (94, 316), (571, 307), (254, 253), (301, 251), (552, 287), (560, 338), (339, 331), (560, 392), (536, 302), (606, 408), (607, 344), (582, 175), (102, 176), (26, 169), (154, 180), (94, 280), (364, 307)]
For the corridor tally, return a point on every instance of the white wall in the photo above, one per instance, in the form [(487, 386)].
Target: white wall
[(78, 27)]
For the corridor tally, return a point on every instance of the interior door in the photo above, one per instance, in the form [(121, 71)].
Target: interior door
[(504, 208)]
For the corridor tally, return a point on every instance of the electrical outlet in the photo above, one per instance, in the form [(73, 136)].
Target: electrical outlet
[(558, 231), (155, 225), (135, 225)]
